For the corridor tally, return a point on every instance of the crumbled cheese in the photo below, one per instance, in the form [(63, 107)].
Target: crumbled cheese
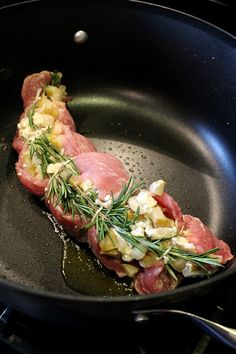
[(106, 203), (55, 167), (190, 270), (160, 232), (141, 223), (43, 120), (157, 187), (143, 200), (128, 253), (27, 133), (137, 231), (166, 259)]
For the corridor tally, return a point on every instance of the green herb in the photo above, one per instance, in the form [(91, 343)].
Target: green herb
[(56, 78), (47, 153), (62, 190), (30, 116)]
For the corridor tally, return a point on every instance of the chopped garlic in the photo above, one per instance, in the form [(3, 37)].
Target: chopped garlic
[(157, 187)]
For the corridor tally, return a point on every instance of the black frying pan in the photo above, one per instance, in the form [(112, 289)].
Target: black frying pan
[(154, 87)]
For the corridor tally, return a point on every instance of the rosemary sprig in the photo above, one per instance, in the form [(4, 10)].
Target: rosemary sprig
[(47, 153), (173, 253), (63, 191), (56, 78), (30, 116)]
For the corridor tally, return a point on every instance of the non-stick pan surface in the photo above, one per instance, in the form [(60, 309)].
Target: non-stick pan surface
[(152, 86)]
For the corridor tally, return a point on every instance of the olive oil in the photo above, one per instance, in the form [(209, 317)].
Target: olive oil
[(82, 271)]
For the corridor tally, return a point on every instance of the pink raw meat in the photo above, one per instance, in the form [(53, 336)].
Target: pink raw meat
[(203, 239), (154, 279), (171, 208), (31, 85), (105, 171), (33, 184), (72, 143)]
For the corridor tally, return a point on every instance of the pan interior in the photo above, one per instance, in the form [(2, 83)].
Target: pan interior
[(154, 100), (148, 133)]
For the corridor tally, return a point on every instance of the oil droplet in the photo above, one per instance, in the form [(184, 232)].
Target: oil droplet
[(3, 147)]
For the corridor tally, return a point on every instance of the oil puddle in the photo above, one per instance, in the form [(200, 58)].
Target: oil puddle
[(81, 270)]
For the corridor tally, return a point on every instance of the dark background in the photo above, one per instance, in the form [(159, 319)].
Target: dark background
[(221, 13)]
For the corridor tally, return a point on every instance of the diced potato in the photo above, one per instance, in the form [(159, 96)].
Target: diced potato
[(156, 214), (57, 129), (45, 105), (191, 270), (86, 185), (178, 264), (56, 142), (43, 120), (130, 214), (57, 93), (130, 270), (32, 165), (74, 181), (109, 243), (148, 260)]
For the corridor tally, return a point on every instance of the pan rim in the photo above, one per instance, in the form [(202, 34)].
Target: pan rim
[(147, 4), (217, 278)]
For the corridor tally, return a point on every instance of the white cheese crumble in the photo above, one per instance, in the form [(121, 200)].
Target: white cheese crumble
[(143, 200), (106, 203), (157, 187), (160, 232), (190, 270), (54, 168)]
